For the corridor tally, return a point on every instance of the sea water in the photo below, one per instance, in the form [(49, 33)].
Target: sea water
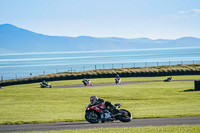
[(20, 65)]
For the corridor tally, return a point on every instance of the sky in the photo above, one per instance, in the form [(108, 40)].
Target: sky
[(154, 19)]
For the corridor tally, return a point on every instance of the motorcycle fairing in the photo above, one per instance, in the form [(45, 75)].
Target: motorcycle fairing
[(97, 108)]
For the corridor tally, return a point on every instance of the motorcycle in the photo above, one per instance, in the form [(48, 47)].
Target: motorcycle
[(93, 114), (118, 81), (45, 85), (168, 79), (87, 83)]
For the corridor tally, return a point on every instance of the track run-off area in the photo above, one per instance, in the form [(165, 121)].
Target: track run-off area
[(116, 124)]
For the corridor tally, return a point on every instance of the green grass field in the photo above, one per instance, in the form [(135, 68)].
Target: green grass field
[(31, 104)]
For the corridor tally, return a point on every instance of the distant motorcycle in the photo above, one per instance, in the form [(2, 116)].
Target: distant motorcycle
[(118, 81), (87, 82), (168, 79), (92, 114), (45, 85)]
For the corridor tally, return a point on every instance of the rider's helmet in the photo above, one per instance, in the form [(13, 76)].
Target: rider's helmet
[(93, 99), (84, 79), (117, 76)]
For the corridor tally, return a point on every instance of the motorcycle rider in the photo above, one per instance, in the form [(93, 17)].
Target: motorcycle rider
[(94, 100), (44, 83), (168, 79), (84, 80), (117, 77)]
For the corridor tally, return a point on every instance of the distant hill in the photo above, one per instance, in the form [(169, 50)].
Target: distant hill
[(14, 39)]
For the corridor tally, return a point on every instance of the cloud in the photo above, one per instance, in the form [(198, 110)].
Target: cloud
[(193, 11), (184, 14)]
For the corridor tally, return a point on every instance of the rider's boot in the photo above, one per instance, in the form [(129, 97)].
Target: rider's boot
[(102, 117), (113, 110)]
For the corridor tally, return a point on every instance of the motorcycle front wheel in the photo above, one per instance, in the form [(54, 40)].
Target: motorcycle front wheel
[(92, 117), (125, 117)]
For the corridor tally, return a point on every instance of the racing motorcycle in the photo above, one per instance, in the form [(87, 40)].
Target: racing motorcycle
[(87, 83), (45, 85), (118, 81), (168, 79), (94, 114)]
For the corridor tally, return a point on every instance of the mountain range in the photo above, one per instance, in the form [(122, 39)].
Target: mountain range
[(15, 39)]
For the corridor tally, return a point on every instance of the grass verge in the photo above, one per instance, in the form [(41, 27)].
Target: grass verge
[(161, 129)]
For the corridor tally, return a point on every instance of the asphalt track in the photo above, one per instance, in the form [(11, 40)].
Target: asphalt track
[(111, 84), (85, 125)]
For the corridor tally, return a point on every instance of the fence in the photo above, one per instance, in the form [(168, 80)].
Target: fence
[(126, 65), (85, 67)]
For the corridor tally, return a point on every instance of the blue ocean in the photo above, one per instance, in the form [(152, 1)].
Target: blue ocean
[(20, 65)]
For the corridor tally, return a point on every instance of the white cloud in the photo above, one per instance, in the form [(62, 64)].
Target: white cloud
[(193, 11), (184, 14)]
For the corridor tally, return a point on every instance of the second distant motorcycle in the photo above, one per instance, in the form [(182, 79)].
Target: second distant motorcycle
[(87, 82), (45, 85)]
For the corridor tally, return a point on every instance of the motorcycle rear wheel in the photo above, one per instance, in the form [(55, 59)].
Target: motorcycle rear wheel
[(92, 117), (125, 117)]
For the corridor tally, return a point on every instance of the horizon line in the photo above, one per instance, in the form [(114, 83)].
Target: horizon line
[(100, 36), (95, 51)]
